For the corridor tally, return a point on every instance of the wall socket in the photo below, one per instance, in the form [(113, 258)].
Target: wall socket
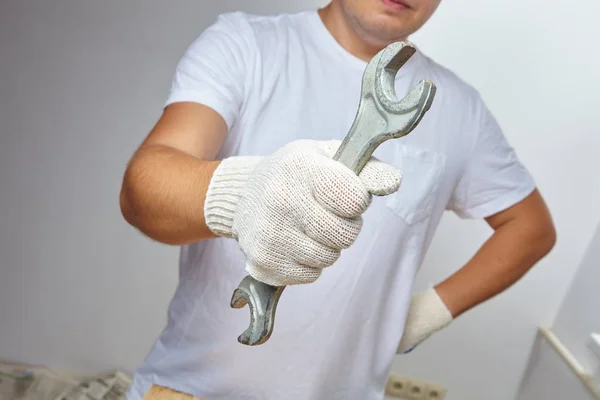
[(407, 388)]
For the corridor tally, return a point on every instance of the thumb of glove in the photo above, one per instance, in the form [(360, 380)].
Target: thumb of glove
[(379, 178)]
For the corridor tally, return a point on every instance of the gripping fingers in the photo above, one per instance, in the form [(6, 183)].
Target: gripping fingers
[(329, 229), (296, 259), (284, 274), (339, 190), (315, 254), (299, 248)]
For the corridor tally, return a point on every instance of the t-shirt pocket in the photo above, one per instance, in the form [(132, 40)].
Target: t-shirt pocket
[(422, 171)]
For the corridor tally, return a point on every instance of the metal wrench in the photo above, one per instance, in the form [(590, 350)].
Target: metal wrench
[(380, 117)]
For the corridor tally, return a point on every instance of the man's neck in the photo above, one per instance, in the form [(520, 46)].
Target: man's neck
[(338, 26)]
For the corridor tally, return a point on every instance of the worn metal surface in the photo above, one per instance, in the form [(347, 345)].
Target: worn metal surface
[(262, 300), (380, 117)]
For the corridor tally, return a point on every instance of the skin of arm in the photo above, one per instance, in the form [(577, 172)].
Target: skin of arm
[(165, 182), (523, 235)]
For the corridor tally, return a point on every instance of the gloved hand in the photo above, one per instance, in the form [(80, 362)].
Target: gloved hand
[(293, 211), (427, 314)]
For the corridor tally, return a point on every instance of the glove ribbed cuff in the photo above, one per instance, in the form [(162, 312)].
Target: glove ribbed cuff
[(428, 314), (436, 315), (224, 193)]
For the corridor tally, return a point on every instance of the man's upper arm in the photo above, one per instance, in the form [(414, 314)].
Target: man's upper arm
[(189, 127), (207, 90), (494, 179)]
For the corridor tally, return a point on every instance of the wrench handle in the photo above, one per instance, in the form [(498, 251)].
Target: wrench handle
[(356, 150)]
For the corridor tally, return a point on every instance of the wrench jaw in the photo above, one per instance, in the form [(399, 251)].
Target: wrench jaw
[(404, 114), (425, 92), (382, 77), (381, 115), (410, 110), (262, 299), (394, 56)]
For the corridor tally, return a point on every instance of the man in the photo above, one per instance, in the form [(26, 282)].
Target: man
[(238, 171)]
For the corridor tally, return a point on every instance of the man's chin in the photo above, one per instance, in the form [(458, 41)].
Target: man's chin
[(387, 30)]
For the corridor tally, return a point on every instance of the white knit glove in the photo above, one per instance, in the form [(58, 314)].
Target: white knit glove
[(293, 211), (427, 314)]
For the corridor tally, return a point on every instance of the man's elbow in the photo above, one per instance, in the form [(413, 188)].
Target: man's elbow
[(132, 198), (550, 239), (545, 237), (126, 208), (536, 216), (152, 228), (129, 209)]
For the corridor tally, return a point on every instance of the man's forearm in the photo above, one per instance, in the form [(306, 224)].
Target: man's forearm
[(163, 194), (505, 257)]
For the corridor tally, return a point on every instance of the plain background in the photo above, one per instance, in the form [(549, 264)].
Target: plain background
[(546, 376), (81, 84)]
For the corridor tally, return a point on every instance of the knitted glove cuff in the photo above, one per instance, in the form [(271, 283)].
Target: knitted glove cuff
[(224, 192), (436, 315), (427, 315)]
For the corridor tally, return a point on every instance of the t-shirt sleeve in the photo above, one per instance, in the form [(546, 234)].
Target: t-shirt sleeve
[(494, 178), (213, 69)]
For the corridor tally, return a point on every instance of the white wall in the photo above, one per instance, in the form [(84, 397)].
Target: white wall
[(549, 378), (578, 315), (82, 82), (577, 318)]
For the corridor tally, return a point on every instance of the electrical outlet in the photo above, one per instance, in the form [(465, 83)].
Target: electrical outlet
[(434, 391), (416, 390), (397, 386), (408, 388)]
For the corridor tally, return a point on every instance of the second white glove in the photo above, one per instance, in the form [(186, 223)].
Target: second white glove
[(293, 211), (427, 315)]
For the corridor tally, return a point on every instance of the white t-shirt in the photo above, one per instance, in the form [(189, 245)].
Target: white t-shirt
[(275, 79)]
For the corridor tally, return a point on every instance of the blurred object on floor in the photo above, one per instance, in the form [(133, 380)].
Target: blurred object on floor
[(33, 382)]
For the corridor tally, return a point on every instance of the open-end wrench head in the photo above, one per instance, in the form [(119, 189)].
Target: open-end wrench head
[(414, 105), (262, 300), (382, 83), (381, 115), (387, 63)]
